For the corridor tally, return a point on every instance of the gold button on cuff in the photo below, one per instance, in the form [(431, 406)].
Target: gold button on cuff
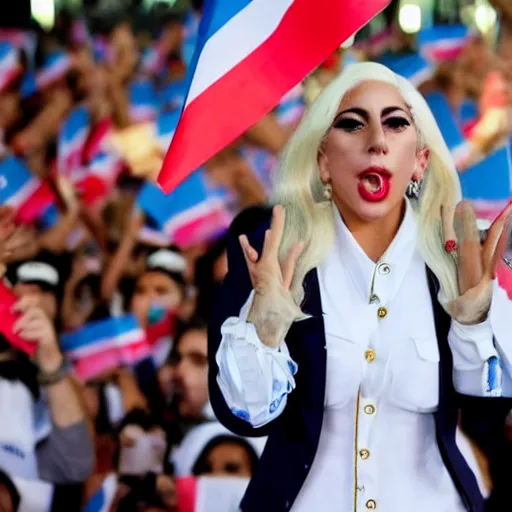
[(382, 312), (371, 505), (364, 454), (369, 409), (369, 355)]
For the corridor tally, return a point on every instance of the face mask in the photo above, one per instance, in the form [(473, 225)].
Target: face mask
[(156, 313)]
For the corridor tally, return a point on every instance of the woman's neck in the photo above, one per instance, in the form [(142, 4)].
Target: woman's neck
[(374, 237)]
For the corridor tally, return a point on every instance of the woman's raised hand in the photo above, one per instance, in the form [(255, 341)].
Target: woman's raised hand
[(273, 309), (476, 262), (267, 271)]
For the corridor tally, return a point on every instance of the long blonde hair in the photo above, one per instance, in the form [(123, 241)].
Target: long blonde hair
[(309, 217)]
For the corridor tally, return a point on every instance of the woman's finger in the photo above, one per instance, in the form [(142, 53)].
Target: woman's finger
[(249, 252), (291, 263), (496, 237), (469, 262), (250, 256), (496, 242), (447, 215), (273, 241)]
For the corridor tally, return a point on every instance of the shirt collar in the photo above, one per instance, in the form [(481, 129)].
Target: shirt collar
[(393, 264)]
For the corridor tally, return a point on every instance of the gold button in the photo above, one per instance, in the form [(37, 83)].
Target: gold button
[(369, 355), (369, 409), (382, 312), (371, 505), (364, 454)]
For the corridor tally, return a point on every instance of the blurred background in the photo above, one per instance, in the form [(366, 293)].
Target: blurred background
[(90, 96)]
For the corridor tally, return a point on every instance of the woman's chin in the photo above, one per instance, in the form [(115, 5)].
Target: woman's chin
[(371, 211)]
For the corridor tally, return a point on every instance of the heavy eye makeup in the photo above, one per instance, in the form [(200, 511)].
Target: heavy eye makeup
[(351, 124)]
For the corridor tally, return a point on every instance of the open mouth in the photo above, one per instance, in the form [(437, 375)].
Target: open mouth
[(374, 184)]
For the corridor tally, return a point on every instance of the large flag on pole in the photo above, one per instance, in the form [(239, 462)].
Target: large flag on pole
[(250, 53)]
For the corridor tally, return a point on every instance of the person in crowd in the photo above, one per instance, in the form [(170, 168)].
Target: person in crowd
[(211, 449), (309, 343), (41, 278), (9, 495), (47, 439), (189, 362)]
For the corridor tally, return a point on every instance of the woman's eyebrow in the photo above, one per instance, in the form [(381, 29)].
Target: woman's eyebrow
[(389, 110), (364, 114), (355, 110)]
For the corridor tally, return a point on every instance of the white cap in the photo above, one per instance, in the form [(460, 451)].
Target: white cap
[(186, 455), (38, 271), (167, 260)]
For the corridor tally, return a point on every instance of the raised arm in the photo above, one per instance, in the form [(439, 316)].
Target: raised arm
[(251, 372)]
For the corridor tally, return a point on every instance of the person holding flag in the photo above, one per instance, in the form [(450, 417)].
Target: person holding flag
[(363, 314)]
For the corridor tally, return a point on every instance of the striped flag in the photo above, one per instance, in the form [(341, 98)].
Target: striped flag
[(291, 107), (457, 144), (7, 301), (71, 140), (104, 497), (32, 199), (193, 213), (105, 345), (143, 101), (210, 494), (249, 54), (443, 43), (10, 66), (85, 157), (55, 67), (413, 66), (488, 184)]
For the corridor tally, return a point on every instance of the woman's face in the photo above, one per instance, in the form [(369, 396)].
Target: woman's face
[(370, 153), (154, 288), (229, 459)]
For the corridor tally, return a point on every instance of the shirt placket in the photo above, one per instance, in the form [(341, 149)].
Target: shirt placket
[(366, 492)]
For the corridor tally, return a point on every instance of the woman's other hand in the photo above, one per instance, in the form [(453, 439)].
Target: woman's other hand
[(273, 309), (477, 263)]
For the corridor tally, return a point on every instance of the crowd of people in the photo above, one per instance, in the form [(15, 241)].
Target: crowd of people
[(103, 359)]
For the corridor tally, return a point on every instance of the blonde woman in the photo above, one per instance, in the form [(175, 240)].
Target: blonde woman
[(353, 326)]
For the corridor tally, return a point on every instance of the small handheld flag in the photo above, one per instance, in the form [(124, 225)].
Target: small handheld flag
[(452, 134), (32, 199), (104, 345), (192, 214), (7, 301)]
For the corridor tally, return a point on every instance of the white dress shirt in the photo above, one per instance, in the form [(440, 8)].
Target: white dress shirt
[(377, 448)]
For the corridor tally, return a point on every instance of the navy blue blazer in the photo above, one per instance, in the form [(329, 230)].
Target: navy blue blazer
[(293, 437)]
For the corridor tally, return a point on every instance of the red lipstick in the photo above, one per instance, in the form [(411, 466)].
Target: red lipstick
[(374, 184)]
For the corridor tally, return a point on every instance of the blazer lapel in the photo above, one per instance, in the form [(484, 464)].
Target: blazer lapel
[(307, 346)]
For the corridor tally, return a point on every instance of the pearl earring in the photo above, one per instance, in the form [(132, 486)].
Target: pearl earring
[(328, 191)]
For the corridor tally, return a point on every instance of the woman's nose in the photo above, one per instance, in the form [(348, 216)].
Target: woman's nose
[(377, 143)]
